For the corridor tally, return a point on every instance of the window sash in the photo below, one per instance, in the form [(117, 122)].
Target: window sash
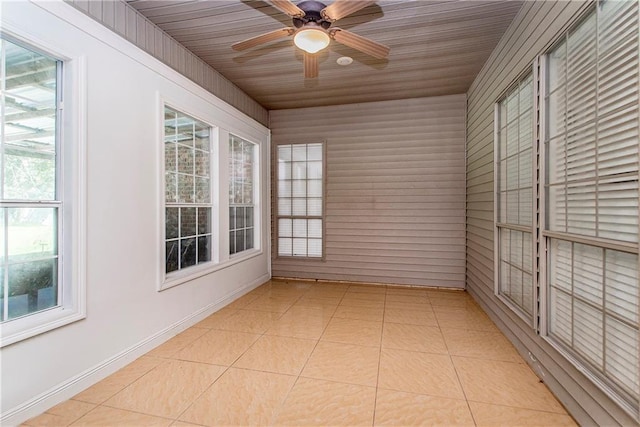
[(514, 160), (242, 195), (36, 109)]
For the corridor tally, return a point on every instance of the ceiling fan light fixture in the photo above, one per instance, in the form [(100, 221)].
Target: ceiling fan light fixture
[(311, 40)]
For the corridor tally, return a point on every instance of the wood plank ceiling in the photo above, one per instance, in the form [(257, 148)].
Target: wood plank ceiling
[(437, 48)]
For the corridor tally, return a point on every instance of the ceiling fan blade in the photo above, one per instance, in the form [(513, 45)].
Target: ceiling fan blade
[(360, 43), (341, 8), (263, 38), (310, 66), (289, 8)]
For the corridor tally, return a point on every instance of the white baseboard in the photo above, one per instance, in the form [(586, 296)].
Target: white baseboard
[(75, 385)]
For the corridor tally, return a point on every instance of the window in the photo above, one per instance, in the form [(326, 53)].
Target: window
[(567, 198), (591, 192), (514, 197), (242, 169), (188, 207), (41, 260), (300, 200)]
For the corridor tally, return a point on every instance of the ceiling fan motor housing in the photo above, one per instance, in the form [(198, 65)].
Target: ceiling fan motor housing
[(312, 15)]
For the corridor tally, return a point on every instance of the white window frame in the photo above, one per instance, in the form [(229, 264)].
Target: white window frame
[(322, 217), (71, 173), (530, 319), (256, 203), (174, 278)]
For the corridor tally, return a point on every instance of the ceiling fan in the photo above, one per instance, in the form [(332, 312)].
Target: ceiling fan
[(312, 30)]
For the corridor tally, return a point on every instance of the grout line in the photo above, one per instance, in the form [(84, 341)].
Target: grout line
[(375, 401)]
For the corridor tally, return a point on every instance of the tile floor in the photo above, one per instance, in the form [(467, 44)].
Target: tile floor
[(302, 354)]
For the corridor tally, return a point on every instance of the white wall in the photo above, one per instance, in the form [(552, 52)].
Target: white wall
[(126, 315)]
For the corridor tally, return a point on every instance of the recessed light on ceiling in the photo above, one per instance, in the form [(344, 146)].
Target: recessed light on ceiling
[(344, 60)]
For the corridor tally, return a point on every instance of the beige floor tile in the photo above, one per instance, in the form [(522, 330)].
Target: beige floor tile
[(283, 355), (480, 344), (317, 302), (218, 347), (411, 316), (183, 424), (449, 301), (421, 373), (402, 300), (464, 318), (487, 415), (343, 363), (178, 342), (504, 383), (63, 414), (395, 408), (117, 381), (243, 301), (277, 304), (405, 290), (368, 296), (353, 331), (240, 397), (251, 321), (359, 302), (211, 321), (298, 325), (105, 416), (413, 338), (371, 289), (322, 403), (168, 389), (373, 314), (326, 312), (327, 293), (47, 420)]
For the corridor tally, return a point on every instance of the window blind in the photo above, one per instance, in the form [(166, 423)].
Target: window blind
[(592, 196)]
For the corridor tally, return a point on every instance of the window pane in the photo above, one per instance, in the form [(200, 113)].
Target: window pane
[(32, 287), (171, 231), (249, 238), (285, 246), (187, 252), (29, 124), (187, 222), (204, 220), (285, 228), (299, 228)]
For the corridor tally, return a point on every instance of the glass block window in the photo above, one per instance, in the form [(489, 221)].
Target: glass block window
[(188, 207), (31, 199), (242, 169), (300, 200), (514, 147), (591, 189)]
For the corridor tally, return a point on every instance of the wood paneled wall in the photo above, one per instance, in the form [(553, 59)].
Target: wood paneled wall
[(534, 29), (130, 24), (395, 190)]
